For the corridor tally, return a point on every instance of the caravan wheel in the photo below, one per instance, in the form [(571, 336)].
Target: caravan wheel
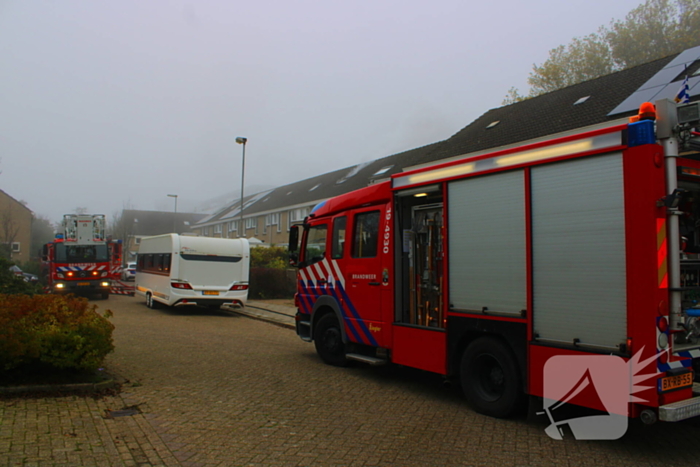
[(150, 303)]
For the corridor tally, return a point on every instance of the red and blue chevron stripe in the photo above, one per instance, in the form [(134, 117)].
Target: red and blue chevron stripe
[(325, 278)]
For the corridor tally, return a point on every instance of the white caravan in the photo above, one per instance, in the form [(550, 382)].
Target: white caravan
[(178, 270)]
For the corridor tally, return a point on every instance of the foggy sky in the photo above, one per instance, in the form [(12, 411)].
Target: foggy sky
[(110, 104)]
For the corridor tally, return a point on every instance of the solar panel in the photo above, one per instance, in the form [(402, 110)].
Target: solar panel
[(660, 85)]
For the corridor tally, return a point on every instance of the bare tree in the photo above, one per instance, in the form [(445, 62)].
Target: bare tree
[(123, 227), (42, 233)]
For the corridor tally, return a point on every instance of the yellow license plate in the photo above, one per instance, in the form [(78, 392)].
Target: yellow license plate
[(210, 292), (82, 284), (669, 383)]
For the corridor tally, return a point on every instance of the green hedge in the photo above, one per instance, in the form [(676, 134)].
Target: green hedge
[(63, 332)]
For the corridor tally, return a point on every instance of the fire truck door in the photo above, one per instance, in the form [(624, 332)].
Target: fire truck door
[(366, 278), (419, 337)]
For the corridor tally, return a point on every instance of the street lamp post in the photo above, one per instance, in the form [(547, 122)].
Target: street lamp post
[(175, 216), (242, 140)]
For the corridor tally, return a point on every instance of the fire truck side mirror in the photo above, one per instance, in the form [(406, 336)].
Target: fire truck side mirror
[(293, 245)]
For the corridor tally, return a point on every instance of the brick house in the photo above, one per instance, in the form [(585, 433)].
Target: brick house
[(15, 228)]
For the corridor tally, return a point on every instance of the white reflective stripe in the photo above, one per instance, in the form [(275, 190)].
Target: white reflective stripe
[(312, 276), (319, 272), (302, 273), (673, 365), (338, 275)]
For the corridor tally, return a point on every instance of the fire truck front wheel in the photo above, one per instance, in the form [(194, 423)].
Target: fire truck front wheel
[(490, 378), (328, 340)]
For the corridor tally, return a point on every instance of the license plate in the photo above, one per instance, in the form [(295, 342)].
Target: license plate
[(210, 292), (83, 284), (669, 383)]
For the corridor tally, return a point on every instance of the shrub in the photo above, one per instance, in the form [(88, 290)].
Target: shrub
[(274, 257), (63, 332), (10, 283)]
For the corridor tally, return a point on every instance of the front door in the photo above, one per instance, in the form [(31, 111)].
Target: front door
[(367, 277)]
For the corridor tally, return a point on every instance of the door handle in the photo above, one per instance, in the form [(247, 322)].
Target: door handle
[(322, 281)]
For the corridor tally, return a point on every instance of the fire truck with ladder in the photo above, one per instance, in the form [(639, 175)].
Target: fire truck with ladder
[(483, 269), (81, 259)]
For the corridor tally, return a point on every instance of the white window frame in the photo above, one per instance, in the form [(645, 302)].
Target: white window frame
[(16, 247), (218, 229)]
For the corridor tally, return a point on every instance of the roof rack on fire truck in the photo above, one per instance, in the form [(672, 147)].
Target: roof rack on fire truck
[(84, 228)]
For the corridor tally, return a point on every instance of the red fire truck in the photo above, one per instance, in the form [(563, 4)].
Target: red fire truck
[(81, 260), (485, 268)]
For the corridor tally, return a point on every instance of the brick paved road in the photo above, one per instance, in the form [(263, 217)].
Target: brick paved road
[(219, 389)]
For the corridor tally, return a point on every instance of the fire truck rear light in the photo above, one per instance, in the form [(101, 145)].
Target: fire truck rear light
[(663, 341), (663, 324), (180, 285), (69, 273), (95, 273), (663, 358), (59, 275), (60, 285), (239, 287)]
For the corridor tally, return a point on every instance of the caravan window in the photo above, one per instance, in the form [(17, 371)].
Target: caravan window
[(154, 263)]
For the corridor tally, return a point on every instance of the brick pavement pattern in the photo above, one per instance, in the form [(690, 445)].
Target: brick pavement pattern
[(222, 389)]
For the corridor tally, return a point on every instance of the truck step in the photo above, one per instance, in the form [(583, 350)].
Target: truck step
[(374, 361)]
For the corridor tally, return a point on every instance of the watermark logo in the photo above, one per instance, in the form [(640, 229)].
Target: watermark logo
[(604, 381)]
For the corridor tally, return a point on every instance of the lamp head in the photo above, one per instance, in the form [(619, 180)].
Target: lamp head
[(241, 140)]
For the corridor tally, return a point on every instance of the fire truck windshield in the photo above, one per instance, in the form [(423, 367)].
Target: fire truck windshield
[(81, 253)]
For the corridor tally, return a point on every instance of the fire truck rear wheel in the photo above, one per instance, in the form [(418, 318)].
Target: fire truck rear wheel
[(490, 378), (328, 339)]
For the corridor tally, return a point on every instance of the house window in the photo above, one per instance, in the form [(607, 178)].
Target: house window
[(217, 229), (297, 215), (205, 231), (233, 226), (272, 219), (137, 241), (250, 223), (15, 247)]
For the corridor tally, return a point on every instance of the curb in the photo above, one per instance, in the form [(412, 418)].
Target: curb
[(263, 314), (72, 388)]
